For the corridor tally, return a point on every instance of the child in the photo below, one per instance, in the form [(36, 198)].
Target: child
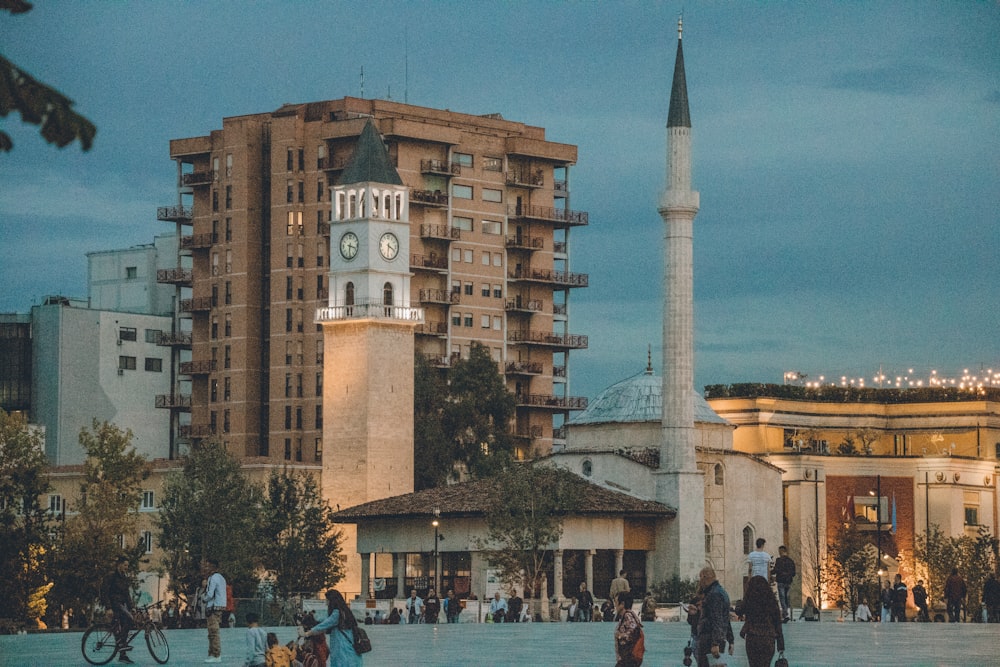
[(256, 642), (277, 654)]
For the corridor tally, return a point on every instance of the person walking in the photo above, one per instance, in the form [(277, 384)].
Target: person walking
[(899, 594), (628, 633), (954, 593), (215, 603), (586, 603), (784, 572), (762, 623), (991, 598), (759, 562), (619, 585), (340, 622), (714, 628), (920, 599), (117, 596)]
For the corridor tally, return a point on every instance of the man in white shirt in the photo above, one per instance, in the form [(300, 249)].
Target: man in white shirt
[(759, 562), (498, 608), (215, 604), (414, 607)]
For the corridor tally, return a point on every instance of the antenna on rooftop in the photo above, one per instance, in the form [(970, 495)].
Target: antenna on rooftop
[(362, 82), (406, 65)]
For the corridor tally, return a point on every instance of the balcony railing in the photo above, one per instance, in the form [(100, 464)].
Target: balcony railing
[(440, 296), (176, 276), (526, 433), (442, 360), (559, 309), (333, 163), (199, 178), (440, 232), (569, 341), (432, 329), (174, 339), (440, 167), (525, 242), (526, 178), (429, 198), (564, 278), (374, 309), (523, 305), (197, 304), (559, 247), (174, 401), (558, 371), (549, 214), (559, 433), (561, 187), (203, 367), (553, 402), (177, 213), (523, 368), (431, 262), (198, 241)]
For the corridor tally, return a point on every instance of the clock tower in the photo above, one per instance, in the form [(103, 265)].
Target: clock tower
[(368, 342)]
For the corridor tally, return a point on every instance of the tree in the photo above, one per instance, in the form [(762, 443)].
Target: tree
[(433, 457), (975, 558), (23, 520), (852, 566), (300, 550), (210, 510), (37, 103), (527, 504), (105, 524)]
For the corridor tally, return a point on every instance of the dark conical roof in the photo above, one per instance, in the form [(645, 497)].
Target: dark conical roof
[(679, 116), (370, 162)]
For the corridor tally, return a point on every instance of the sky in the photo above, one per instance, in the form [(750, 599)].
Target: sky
[(847, 155)]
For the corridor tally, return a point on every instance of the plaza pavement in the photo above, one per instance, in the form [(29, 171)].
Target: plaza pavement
[(557, 644)]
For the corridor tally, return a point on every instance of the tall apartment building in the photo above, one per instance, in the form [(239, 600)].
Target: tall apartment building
[(490, 241)]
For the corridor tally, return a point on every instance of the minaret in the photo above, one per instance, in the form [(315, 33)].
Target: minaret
[(368, 343), (679, 482)]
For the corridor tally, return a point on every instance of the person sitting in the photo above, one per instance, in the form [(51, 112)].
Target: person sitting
[(863, 613), (809, 611), (498, 608)]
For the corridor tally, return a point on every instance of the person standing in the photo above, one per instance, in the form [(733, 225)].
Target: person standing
[(340, 622), (991, 598), (215, 603), (118, 598), (414, 607), (899, 593), (647, 613), (514, 607), (920, 599), (619, 585), (954, 594), (586, 603), (762, 623), (886, 600), (714, 628), (432, 607), (784, 572), (452, 607), (759, 561), (628, 633)]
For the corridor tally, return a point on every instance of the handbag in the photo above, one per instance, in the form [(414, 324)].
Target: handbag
[(781, 661)]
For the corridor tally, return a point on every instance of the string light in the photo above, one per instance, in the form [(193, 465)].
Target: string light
[(966, 380)]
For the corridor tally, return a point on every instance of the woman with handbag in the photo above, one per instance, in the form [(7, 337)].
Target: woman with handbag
[(762, 623), (340, 624)]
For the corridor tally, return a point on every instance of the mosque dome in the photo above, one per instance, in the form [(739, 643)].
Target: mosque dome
[(638, 399)]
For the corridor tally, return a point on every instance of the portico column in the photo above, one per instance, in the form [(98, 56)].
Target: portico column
[(399, 567), (619, 561), (366, 566), (557, 571), (588, 568), (650, 564)]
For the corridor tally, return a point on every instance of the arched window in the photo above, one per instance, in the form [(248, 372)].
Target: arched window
[(587, 467), (708, 539), (747, 539), (349, 294), (719, 478), (387, 294)]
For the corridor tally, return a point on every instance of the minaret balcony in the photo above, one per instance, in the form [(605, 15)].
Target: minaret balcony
[(372, 310), (523, 305), (525, 178), (177, 213), (174, 401), (178, 276), (551, 402), (198, 178), (203, 367), (198, 304), (521, 242), (429, 263), (439, 329), (548, 339), (442, 167), (429, 198), (548, 276), (199, 241), (523, 368), (443, 232), (182, 339), (561, 216), (444, 296)]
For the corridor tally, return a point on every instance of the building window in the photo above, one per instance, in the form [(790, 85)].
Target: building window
[(290, 160), (227, 357), (485, 289), (229, 325), (215, 200), (319, 416), (485, 259), (497, 292), (229, 197), (298, 418), (462, 159), (319, 190), (492, 164), (718, 474), (467, 289), (127, 333), (462, 223), (227, 389), (154, 364), (747, 540), (319, 449), (319, 384), (126, 363), (461, 191), (229, 293), (229, 261), (215, 328), (288, 417), (467, 256), (587, 468), (289, 192), (213, 390), (229, 165), (489, 194), (55, 504), (498, 259), (288, 319), (497, 322), (288, 449), (153, 336), (147, 502), (456, 319), (387, 294), (456, 256), (708, 539), (229, 230), (146, 541), (225, 421), (484, 321), (492, 227), (302, 191), (971, 516), (468, 319), (131, 273)]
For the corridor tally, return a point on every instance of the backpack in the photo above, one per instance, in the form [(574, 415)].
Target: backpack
[(361, 643), (639, 647)]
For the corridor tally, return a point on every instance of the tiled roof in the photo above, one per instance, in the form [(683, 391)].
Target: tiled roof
[(471, 498)]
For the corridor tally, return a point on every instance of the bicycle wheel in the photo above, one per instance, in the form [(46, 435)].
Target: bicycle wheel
[(156, 641), (99, 645)]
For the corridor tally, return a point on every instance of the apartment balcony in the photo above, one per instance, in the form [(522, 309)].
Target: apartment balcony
[(177, 213), (197, 367), (442, 167), (559, 371), (199, 241), (199, 178), (526, 432), (333, 163), (178, 276), (551, 402), (560, 216), (526, 178), (559, 433), (370, 310), (438, 329), (442, 360), (198, 304), (548, 339), (444, 296), (429, 198), (523, 368), (519, 305), (550, 277), (560, 187), (559, 309), (559, 247), (520, 242), (429, 263), (442, 232), (197, 431), (174, 401), (182, 339)]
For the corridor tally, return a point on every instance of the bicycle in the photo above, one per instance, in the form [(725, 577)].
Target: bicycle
[(99, 644)]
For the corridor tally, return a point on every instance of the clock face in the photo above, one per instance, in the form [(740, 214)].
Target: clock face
[(388, 245), (349, 245)]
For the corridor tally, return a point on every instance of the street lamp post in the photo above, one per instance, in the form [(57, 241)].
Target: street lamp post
[(437, 564), (878, 528)]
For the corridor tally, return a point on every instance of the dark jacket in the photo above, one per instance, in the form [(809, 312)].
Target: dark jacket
[(954, 588), (713, 621), (118, 591), (784, 570)]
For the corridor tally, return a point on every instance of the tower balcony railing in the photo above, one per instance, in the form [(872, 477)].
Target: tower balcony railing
[(563, 216), (429, 262), (551, 402), (199, 178), (440, 167), (526, 178), (176, 276), (440, 296), (563, 278), (174, 401), (178, 213), (444, 232), (523, 368), (548, 338), (432, 329), (520, 242), (369, 310), (202, 367), (523, 305), (196, 304), (429, 198), (199, 241)]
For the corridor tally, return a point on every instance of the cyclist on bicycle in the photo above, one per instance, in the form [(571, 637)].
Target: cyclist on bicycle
[(118, 598)]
